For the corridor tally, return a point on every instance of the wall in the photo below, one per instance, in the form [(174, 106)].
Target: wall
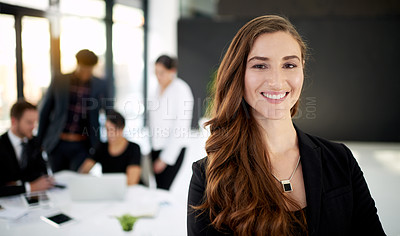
[(162, 34)]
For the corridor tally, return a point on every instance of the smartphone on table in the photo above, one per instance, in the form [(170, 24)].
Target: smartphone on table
[(36, 198), (58, 220)]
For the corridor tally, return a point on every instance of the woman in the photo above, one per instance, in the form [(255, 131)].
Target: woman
[(170, 113), (264, 176), (118, 155)]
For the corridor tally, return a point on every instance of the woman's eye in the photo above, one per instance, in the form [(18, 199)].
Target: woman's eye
[(289, 66), (259, 66)]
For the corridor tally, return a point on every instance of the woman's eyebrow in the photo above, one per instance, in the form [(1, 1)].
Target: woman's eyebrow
[(258, 58), (291, 57), (266, 58)]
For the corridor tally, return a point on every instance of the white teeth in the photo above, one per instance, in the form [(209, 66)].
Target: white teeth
[(273, 96)]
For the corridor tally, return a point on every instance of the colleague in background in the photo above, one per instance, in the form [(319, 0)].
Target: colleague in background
[(263, 175), (22, 168), (118, 155), (170, 115), (69, 114)]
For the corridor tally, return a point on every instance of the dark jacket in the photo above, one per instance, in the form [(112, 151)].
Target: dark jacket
[(338, 199), (10, 170), (54, 111)]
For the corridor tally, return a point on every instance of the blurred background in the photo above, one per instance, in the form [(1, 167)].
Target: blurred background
[(351, 92), (352, 81)]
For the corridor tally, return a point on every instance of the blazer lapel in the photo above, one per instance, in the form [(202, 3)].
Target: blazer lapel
[(64, 93), (312, 175)]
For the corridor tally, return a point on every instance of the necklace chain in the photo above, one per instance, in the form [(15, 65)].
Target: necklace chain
[(294, 171)]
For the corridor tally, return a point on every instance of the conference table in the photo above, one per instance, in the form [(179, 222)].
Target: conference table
[(165, 214)]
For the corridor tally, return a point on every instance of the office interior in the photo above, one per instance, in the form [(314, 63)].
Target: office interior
[(351, 85)]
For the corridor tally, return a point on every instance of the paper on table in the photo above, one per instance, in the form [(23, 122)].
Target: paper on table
[(12, 213), (137, 209), (146, 209)]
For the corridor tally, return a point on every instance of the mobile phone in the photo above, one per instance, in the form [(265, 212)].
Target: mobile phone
[(32, 200), (58, 219), (36, 198)]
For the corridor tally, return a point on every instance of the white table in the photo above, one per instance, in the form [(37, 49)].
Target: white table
[(96, 218)]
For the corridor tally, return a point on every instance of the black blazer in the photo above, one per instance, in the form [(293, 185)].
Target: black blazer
[(54, 111), (338, 199), (10, 170)]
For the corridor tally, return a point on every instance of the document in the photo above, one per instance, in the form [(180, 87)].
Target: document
[(12, 213)]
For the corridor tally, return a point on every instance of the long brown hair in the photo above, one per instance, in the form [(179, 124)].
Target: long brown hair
[(241, 194)]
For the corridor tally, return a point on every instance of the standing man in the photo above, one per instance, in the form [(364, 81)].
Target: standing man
[(69, 115), (22, 168)]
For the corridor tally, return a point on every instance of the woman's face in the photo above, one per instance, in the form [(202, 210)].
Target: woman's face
[(112, 131), (164, 75), (274, 75)]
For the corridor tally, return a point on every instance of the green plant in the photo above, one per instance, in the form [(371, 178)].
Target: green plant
[(127, 221)]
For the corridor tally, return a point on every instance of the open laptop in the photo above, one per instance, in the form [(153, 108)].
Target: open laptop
[(105, 187)]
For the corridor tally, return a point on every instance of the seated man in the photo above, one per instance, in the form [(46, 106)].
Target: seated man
[(22, 168)]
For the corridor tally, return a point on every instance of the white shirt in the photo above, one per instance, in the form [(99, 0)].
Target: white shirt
[(16, 143), (170, 119)]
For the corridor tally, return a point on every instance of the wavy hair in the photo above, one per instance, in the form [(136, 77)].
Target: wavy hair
[(241, 194)]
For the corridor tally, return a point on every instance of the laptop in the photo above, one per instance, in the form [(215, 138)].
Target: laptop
[(109, 186)]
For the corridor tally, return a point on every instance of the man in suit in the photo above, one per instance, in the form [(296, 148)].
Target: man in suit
[(69, 114), (22, 168)]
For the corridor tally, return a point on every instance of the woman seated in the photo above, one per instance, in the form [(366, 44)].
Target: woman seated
[(118, 154)]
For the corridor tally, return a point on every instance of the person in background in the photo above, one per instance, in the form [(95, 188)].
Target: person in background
[(22, 168), (69, 114), (170, 116), (118, 155), (263, 175)]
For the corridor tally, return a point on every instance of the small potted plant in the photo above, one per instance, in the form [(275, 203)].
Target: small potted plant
[(127, 221)]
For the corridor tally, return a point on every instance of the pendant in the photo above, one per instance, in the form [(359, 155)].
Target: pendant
[(287, 186)]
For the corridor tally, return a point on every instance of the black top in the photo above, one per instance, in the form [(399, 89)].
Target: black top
[(113, 164), (299, 231), (10, 170), (338, 198)]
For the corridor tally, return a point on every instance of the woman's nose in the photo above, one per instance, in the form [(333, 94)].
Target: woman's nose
[(275, 78)]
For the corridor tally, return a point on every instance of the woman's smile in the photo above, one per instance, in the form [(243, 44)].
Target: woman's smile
[(275, 97)]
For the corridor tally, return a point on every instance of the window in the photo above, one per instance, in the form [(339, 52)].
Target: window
[(82, 33), (8, 82), (49, 43), (36, 57), (37, 4), (128, 49), (86, 8)]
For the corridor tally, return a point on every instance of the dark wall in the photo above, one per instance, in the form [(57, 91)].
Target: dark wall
[(201, 46), (352, 87), (309, 8), (353, 84)]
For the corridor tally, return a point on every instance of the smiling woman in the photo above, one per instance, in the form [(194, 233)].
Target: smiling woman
[(263, 175)]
